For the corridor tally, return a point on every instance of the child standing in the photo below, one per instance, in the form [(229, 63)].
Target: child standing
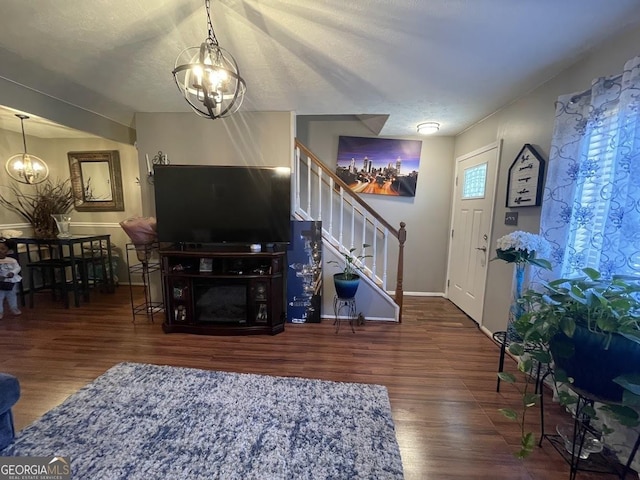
[(9, 277)]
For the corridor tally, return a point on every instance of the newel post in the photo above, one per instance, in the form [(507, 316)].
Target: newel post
[(402, 237)]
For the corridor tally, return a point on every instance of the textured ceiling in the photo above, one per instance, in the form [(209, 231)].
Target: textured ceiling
[(450, 61)]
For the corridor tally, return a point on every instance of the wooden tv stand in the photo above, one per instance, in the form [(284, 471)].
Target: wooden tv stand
[(223, 292)]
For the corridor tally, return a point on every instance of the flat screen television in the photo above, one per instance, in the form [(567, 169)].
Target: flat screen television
[(207, 204)]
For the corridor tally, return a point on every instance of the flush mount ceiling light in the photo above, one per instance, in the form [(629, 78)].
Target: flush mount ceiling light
[(209, 78), (25, 168), (427, 128)]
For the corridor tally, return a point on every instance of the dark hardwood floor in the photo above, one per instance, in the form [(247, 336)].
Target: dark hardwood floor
[(439, 368)]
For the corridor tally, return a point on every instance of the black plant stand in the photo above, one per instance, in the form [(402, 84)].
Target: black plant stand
[(149, 264), (347, 306), (503, 339), (604, 462)]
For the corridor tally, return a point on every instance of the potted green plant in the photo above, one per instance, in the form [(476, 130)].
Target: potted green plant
[(347, 281), (588, 330)]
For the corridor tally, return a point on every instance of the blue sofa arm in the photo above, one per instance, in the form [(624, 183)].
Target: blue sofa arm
[(9, 395)]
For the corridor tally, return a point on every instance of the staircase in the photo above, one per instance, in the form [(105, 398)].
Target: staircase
[(348, 222)]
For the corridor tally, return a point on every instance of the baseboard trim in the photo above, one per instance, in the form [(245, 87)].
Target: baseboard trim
[(367, 319), (423, 294), (486, 331)]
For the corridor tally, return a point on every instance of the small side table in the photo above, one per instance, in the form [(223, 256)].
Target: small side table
[(346, 306)]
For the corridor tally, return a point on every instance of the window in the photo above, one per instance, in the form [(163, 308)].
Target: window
[(591, 206), (475, 181)]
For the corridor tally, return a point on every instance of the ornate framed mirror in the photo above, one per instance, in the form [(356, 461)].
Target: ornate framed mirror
[(96, 181)]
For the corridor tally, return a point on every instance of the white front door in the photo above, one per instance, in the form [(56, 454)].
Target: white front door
[(469, 252)]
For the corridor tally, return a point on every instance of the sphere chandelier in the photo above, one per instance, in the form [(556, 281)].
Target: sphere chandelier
[(25, 168), (209, 78)]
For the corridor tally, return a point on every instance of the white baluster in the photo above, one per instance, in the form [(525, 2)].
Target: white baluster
[(331, 195), (353, 225), (297, 181), (385, 258), (319, 218), (341, 229), (375, 247), (309, 190)]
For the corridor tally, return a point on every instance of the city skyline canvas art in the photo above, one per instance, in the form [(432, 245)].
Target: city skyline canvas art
[(380, 166)]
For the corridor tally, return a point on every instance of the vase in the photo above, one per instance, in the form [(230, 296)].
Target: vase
[(516, 309), (44, 228), (63, 223), (346, 287)]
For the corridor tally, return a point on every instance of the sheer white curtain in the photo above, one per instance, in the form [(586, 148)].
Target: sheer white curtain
[(591, 207)]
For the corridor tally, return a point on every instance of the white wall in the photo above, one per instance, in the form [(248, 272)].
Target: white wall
[(531, 120)]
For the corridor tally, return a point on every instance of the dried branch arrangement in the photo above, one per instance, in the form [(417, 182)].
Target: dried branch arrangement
[(47, 198)]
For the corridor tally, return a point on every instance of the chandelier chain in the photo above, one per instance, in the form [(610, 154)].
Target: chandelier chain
[(211, 38), (24, 138)]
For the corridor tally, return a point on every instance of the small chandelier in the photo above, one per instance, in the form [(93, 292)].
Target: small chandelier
[(26, 168), (209, 78)]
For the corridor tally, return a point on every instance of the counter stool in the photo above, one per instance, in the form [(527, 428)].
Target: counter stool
[(53, 272), (9, 395), (345, 305)]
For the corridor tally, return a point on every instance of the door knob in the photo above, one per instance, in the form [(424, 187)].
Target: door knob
[(484, 249)]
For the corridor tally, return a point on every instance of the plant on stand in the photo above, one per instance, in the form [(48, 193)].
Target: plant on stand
[(347, 281), (587, 329), (522, 249)]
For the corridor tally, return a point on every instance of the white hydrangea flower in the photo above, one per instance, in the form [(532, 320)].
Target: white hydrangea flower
[(524, 241)]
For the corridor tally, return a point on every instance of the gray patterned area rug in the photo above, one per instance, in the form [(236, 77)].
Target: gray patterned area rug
[(147, 422)]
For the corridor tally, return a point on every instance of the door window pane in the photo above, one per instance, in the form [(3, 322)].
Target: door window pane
[(475, 181)]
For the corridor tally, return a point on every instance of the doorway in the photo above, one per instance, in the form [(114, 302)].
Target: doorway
[(472, 216)]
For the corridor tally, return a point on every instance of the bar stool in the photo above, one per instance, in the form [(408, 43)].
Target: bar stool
[(53, 273), (95, 264), (345, 305)]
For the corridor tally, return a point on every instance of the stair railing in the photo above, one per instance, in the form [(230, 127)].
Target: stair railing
[(347, 220)]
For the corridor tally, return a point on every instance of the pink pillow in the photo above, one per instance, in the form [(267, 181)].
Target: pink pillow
[(142, 232)]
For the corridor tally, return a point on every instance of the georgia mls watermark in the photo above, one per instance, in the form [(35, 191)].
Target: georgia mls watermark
[(35, 468)]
